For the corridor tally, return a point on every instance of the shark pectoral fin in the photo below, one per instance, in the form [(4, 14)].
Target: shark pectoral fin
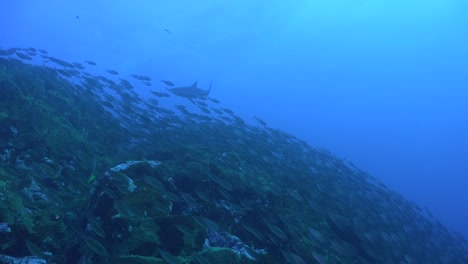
[(195, 84)]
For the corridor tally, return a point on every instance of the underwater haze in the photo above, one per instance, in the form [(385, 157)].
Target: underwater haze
[(382, 84)]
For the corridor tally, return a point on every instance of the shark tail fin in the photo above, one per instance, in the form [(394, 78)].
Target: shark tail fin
[(209, 90)]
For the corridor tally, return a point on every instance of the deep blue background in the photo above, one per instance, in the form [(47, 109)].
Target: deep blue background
[(383, 84)]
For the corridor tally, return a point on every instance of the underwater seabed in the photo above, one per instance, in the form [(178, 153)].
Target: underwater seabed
[(91, 172)]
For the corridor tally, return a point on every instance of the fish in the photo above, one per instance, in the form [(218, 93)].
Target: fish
[(198, 258), (316, 236), (158, 94), (227, 111), (277, 231), (293, 258), (78, 65), (163, 208), (238, 120), (167, 30), (153, 182), (126, 84), (185, 230), (105, 80), (96, 246), (91, 178), (219, 112), (61, 62), (152, 102), (168, 257), (223, 183), (110, 193), (216, 101), (91, 62), (126, 210), (295, 195), (208, 223), (225, 194), (236, 208), (34, 249), (191, 92), (171, 196), (141, 77), (168, 83), (7, 52), (189, 199), (254, 231), (108, 104), (23, 56), (261, 122), (96, 226), (204, 110), (112, 72), (63, 72), (203, 196), (202, 104), (319, 258)]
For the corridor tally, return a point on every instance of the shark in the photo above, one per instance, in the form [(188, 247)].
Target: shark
[(191, 92)]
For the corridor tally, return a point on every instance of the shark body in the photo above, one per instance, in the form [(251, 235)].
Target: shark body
[(190, 92)]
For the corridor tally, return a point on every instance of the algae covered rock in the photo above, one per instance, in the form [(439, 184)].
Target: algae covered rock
[(224, 255), (90, 172), (23, 260), (130, 213), (135, 259)]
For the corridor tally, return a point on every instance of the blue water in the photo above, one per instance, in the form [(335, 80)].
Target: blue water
[(383, 84)]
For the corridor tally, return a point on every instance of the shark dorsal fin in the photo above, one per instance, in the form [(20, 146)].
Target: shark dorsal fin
[(209, 90), (194, 85)]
